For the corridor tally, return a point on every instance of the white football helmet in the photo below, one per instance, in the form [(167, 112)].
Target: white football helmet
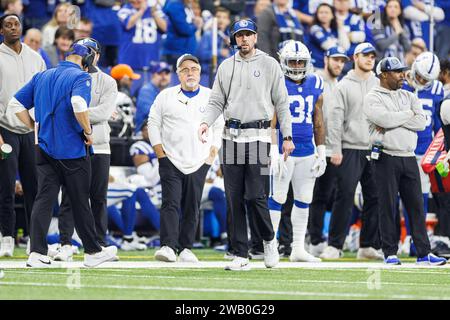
[(295, 51), (427, 67)]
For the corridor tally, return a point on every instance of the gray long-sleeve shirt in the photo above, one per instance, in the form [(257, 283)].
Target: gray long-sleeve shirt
[(348, 127), (101, 107), (400, 113), (257, 91)]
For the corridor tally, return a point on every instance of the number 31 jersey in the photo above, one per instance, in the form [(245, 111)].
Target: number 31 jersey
[(302, 99)]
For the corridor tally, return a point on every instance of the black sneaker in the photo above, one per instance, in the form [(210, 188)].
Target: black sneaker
[(441, 249), (284, 251), (256, 254)]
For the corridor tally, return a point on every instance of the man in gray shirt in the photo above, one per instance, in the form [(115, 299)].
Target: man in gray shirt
[(18, 64), (395, 116), (348, 134), (249, 89)]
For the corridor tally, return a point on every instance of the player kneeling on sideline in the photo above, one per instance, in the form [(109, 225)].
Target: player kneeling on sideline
[(395, 116), (306, 162)]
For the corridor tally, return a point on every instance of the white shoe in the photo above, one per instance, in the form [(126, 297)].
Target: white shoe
[(2, 274), (369, 253), (299, 255), (53, 250), (95, 259), (238, 264), (166, 254), (65, 253), (271, 255), (7, 247), (316, 250), (229, 256), (37, 260), (331, 253), (132, 246), (187, 255), (115, 259)]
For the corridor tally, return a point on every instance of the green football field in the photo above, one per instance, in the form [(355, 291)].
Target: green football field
[(347, 278)]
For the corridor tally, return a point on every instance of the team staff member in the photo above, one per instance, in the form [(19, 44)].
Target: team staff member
[(395, 115), (18, 64), (246, 87), (183, 160), (60, 97), (101, 107), (335, 59), (349, 135)]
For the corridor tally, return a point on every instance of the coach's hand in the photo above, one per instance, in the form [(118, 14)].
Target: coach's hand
[(203, 132), (288, 147), (89, 140), (336, 159)]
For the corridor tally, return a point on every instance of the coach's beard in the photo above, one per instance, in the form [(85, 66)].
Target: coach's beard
[(191, 84)]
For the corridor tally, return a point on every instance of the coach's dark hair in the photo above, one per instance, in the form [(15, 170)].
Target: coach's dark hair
[(64, 32), (333, 23), (385, 19), (2, 18)]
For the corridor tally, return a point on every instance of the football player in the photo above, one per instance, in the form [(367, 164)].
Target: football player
[(308, 161), (422, 80)]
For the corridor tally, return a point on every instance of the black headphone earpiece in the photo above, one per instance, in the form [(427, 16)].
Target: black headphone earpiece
[(88, 60)]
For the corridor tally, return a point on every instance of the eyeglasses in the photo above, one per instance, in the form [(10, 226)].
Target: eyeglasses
[(187, 70)]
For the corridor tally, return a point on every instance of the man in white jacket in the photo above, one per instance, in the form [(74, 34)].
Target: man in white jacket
[(18, 64), (184, 161)]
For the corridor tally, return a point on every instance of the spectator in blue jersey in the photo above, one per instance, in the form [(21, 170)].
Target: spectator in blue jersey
[(142, 27), (204, 50), (326, 32), (64, 38), (37, 13), (106, 28), (161, 77), (307, 8), (443, 32), (276, 24), (417, 15), (353, 24), (181, 29), (392, 37), (33, 39)]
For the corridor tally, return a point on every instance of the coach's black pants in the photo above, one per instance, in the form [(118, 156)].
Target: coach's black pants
[(98, 190), (401, 175), (74, 175), (180, 192), (22, 160), (245, 173), (322, 196), (355, 167)]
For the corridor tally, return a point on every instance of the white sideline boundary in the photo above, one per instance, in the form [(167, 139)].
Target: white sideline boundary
[(21, 264)]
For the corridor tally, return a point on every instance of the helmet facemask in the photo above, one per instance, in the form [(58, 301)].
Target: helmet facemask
[(295, 68)]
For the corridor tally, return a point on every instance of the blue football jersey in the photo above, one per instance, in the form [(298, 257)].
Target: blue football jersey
[(141, 44), (353, 23), (143, 148), (430, 99), (302, 99), (317, 37)]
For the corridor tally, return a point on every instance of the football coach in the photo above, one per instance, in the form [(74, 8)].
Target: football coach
[(61, 97)]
